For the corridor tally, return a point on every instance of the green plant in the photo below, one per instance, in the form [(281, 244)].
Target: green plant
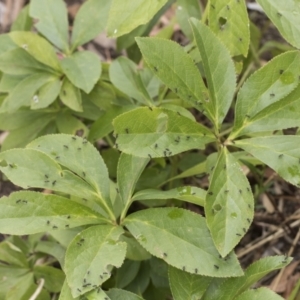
[(112, 253)]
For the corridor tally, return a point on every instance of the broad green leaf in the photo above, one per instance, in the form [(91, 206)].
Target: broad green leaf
[(103, 126), (6, 44), (186, 193), (155, 132), (12, 255), (259, 294), (126, 273), (46, 94), (129, 171), (281, 153), (53, 249), (53, 277), (124, 75), (29, 212), (187, 286), (126, 15), (184, 79), (91, 255), (142, 280), (23, 135), (285, 16), (229, 204), (160, 231), (22, 288), (83, 69), (52, 21), (37, 47), (117, 294), (187, 9), (24, 92), (232, 287), (261, 94), (19, 62), (67, 123), (23, 22), (79, 156), (134, 250), (8, 82), (90, 20), (70, 95), (32, 168), (229, 21), (218, 68)]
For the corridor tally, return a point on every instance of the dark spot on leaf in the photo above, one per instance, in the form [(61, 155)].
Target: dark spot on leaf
[(216, 267)]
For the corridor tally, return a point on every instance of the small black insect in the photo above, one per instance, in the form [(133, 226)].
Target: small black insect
[(150, 108), (48, 222), (183, 268), (65, 146), (281, 72), (280, 155), (84, 280), (196, 270), (238, 234), (248, 189), (87, 284), (11, 165), (210, 193), (46, 176), (127, 130), (249, 221), (68, 217), (228, 7), (101, 276), (73, 138), (57, 157), (248, 116), (24, 201), (83, 173), (54, 182), (82, 240), (18, 201), (155, 146), (176, 90), (212, 6), (224, 167), (78, 244), (54, 227), (170, 153), (227, 191), (67, 226), (149, 156), (194, 193), (244, 229), (272, 95), (279, 14), (78, 149), (165, 254), (240, 191), (188, 137), (240, 39), (216, 267), (105, 273), (156, 69), (117, 190), (249, 205)]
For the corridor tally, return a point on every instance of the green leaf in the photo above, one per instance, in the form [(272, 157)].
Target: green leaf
[(125, 15), (12, 255), (53, 277), (47, 94), (79, 156), (281, 153), (6, 44), (117, 294), (37, 47), (83, 69), (184, 79), (218, 68), (229, 204), (8, 82), (285, 16), (30, 168), (70, 95), (187, 286), (19, 62), (67, 123), (259, 294), (229, 21), (51, 212), (185, 10), (90, 20), (52, 21), (186, 193), (156, 132), (91, 255), (24, 94), (53, 249), (232, 287), (129, 171), (263, 95), (190, 248), (103, 126), (23, 21), (127, 273), (123, 74)]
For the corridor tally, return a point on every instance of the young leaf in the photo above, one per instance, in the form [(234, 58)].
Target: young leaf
[(83, 69), (260, 92), (187, 286), (137, 12), (12, 255), (19, 62), (229, 21), (117, 294), (229, 204), (219, 70), (232, 287), (126, 273), (281, 153), (134, 250), (156, 132), (23, 94), (129, 171), (189, 194), (258, 294), (37, 47), (90, 20), (182, 78), (47, 94), (160, 231), (23, 21), (88, 165), (70, 95), (285, 16), (52, 22), (90, 256), (51, 212), (123, 74)]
